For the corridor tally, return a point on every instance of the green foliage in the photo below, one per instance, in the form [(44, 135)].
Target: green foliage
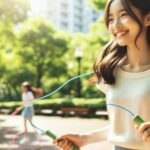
[(60, 103), (89, 105), (13, 10), (9, 105), (98, 4), (40, 48), (33, 50)]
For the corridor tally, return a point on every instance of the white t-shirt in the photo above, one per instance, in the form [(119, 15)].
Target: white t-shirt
[(131, 90), (27, 98)]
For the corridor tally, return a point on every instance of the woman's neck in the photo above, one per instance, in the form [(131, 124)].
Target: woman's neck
[(139, 55), (137, 59)]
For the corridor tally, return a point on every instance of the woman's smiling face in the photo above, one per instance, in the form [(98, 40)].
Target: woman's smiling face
[(121, 25)]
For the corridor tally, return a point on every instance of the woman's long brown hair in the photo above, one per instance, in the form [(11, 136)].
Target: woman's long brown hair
[(112, 53)]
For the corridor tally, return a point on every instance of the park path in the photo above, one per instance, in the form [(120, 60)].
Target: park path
[(10, 125)]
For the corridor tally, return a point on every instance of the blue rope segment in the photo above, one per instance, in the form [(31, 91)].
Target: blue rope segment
[(53, 92), (59, 88), (124, 108), (36, 126), (106, 104)]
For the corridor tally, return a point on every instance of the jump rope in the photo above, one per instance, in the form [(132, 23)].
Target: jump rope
[(136, 118)]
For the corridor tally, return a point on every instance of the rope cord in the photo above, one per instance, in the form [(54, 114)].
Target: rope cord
[(59, 88)]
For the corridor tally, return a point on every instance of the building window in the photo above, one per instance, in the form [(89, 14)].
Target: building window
[(64, 15), (64, 5), (79, 2), (94, 19), (78, 27), (78, 19), (78, 9), (64, 25)]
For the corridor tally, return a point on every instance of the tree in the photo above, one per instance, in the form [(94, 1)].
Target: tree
[(14, 11), (41, 49), (98, 4)]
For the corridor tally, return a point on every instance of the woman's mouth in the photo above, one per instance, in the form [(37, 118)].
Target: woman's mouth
[(121, 34)]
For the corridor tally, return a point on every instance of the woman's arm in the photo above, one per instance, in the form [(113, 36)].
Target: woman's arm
[(97, 136), (66, 141)]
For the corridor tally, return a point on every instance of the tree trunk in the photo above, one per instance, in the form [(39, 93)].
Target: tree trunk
[(17, 93), (9, 94), (39, 75)]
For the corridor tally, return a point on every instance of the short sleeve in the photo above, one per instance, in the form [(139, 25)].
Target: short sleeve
[(30, 95), (27, 96), (103, 87)]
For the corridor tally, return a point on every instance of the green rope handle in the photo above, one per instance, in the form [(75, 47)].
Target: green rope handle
[(138, 120), (53, 136)]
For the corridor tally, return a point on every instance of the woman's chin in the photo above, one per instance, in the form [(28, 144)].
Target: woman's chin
[(120, 43)]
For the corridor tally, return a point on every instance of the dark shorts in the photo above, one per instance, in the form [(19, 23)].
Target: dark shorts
[(28, 112)]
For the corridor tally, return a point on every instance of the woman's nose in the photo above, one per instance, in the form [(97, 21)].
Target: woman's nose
[(117, 23)]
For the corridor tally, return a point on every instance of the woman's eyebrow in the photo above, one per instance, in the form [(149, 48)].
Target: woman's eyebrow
[(121, 10)]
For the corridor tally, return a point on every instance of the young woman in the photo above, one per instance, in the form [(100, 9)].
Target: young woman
[(123, 74)]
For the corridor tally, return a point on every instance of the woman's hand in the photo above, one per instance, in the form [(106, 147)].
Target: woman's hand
[(19, 108), (144, 129), (66, 142)]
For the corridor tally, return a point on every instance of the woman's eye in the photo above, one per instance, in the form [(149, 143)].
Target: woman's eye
[(124, 14), (110, 20)]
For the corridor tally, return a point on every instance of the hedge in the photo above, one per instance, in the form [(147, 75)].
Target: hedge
[(60, 103)]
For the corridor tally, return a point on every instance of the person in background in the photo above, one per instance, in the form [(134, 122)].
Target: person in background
[(28, 94), (28, 109)]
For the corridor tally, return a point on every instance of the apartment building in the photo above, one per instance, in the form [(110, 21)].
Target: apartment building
[(69, 15)]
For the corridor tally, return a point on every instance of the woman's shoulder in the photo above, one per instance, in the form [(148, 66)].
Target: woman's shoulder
[(116, 70), (29, 93), (102, 86)]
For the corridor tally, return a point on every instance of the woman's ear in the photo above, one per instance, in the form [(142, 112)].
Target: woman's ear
[(147, 20)]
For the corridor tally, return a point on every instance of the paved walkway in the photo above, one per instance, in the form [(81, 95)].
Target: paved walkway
[(11, 125)]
